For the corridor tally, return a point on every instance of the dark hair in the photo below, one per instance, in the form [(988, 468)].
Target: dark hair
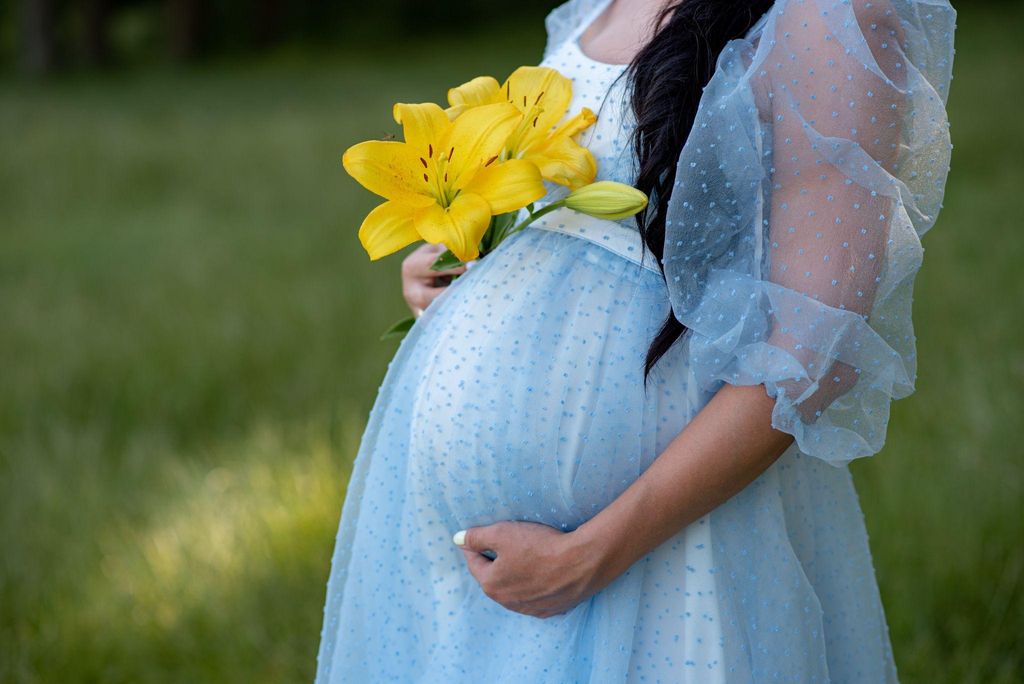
[(667, 78)]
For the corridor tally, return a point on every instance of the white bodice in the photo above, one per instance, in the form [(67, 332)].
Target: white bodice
[(603, 88)]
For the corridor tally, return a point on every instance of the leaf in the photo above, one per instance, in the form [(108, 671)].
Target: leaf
[(398, 329), (446, 261), (503, 223)]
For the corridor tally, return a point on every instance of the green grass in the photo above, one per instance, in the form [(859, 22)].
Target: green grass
[(188, 353), (943, 501)]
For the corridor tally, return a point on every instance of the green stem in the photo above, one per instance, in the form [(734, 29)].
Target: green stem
[(546, 209)]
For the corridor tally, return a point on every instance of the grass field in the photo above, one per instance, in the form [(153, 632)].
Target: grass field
[(188, 353)]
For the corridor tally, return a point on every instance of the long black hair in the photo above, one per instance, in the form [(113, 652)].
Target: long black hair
[(666, 79)]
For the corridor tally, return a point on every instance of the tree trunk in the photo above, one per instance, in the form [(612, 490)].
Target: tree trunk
[(268, 20), (184, 25), (38, 45), (95, 44)]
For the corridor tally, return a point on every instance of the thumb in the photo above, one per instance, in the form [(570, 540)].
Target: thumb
[(475, 538)]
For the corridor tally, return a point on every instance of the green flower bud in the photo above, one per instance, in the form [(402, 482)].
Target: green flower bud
[(607, 200)]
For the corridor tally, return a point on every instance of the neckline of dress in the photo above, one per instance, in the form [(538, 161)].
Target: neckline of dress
[(587, 22)]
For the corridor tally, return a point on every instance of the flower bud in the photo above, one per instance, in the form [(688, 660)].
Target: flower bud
[(607, 200)]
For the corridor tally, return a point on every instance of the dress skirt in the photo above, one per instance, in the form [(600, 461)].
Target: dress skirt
[(519, 395)]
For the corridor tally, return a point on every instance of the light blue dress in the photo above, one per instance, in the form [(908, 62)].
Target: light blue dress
[(817, 161)]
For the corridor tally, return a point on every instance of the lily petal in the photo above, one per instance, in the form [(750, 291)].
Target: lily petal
[(562, 160), (423, 125), (453, 112), (387, 229), (573, 125), (476, 137), (479, 91), (532, 85), (390, 169), (508, 186), (460, 227)]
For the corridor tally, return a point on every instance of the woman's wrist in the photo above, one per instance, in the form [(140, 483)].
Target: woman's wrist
[(727, 445), (604, 542)]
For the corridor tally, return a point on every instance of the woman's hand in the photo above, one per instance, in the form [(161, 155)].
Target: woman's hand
[(420, 285), (539, 570)]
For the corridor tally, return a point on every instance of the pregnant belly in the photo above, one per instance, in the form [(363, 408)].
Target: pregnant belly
[(530, 403)]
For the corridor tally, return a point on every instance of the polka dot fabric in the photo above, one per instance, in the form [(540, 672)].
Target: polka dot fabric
[(519, 393), (818, 159), (601, 87)]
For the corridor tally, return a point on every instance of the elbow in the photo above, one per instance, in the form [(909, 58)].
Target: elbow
[(838, 379)]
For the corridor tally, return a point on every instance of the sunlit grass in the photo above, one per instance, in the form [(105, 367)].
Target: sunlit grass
[(207, 565), (188, 352)]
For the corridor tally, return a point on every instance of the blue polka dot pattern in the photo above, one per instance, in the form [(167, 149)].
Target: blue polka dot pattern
[(817, 161)]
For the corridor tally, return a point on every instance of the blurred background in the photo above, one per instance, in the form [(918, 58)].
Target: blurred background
[(188, 333)]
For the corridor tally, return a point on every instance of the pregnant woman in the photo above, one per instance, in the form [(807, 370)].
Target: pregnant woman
[(616, 451)]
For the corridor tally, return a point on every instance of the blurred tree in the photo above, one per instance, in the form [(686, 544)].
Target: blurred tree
[(268, 22), (184, 23), (38, 42), (95, 32), (48, 34)]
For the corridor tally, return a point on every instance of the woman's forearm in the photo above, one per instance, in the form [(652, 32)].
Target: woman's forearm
[(727, 445)]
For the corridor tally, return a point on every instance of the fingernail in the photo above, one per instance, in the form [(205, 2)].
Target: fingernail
[(459, 538)]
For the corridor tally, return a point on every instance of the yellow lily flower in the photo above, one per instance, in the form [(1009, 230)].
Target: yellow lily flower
[(445, 181), (542, 95)]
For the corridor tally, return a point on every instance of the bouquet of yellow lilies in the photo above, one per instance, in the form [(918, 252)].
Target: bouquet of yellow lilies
[(463, 173)]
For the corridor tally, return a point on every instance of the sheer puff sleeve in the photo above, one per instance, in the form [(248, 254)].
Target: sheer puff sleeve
[(817, 161)]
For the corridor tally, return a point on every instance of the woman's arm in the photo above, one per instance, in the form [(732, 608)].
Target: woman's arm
[(727, 445), (541, 571)]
